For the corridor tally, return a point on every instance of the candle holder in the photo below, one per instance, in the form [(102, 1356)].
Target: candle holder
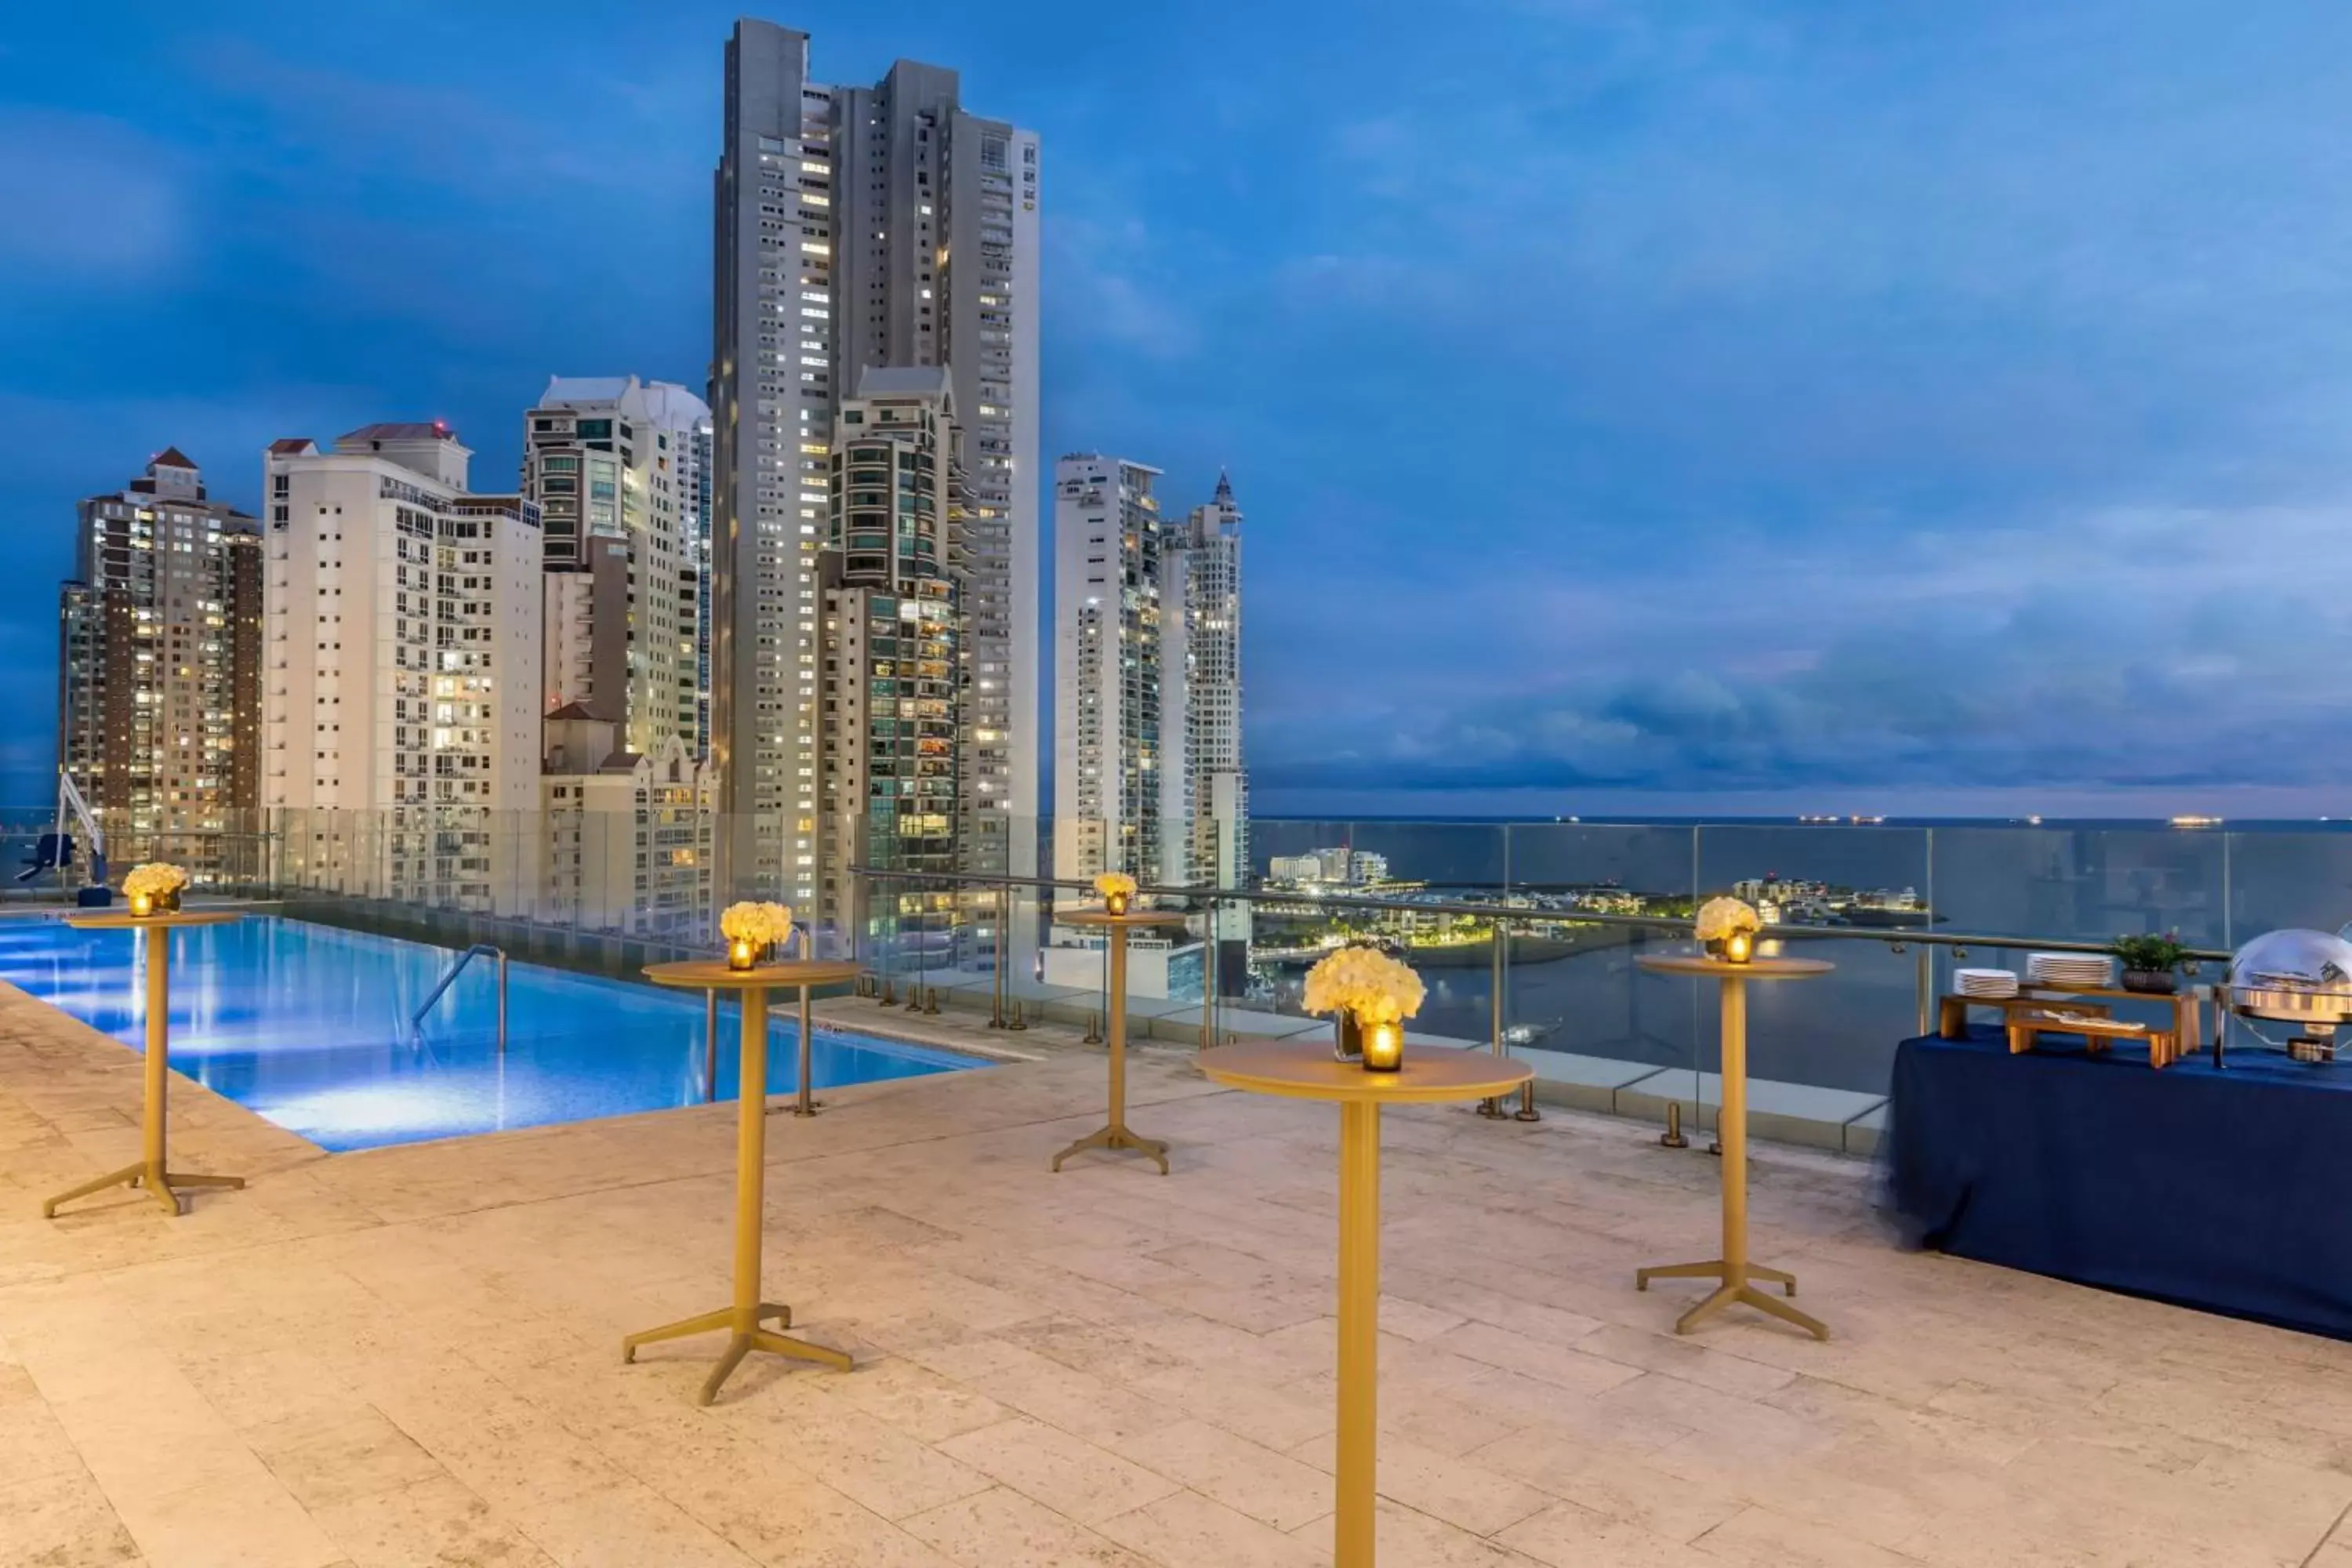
[(741, 954), (141, 905), (1384, 1047), (1115, 904), (1739, 947)]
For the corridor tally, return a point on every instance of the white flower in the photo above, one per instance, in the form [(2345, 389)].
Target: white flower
[(760, 924), (1365, 981), (1718, 917), (156, 880), (1115, 883)]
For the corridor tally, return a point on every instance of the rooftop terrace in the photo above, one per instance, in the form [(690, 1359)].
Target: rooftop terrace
[(411, 1354)]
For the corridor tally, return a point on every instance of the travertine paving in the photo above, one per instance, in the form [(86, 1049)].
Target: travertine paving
[(411, 1355)]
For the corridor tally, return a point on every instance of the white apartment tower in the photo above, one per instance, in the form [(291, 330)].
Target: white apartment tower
[(401, 670), (1108, 751), (860, 228), (618, 468), (1205, 787)]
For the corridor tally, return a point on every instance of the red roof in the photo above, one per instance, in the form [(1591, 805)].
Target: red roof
[(172, 458), (290, 446)]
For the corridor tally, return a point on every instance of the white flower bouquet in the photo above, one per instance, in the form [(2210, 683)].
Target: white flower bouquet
[(760, 925), (1116, 888), (155, 885), (1720, 918), (1365, 984)]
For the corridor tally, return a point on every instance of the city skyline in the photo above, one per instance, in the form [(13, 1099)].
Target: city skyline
[(1914, 425)]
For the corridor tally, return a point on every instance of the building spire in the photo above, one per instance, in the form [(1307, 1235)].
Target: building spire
[(1224, 488)]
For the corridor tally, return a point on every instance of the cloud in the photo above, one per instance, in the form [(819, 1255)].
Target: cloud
[(2127, 649), (86, 198)]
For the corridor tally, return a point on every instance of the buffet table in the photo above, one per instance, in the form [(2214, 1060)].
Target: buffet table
[(2221, 1190)]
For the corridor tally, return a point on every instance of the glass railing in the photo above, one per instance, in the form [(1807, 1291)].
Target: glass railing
[(1580, 903)]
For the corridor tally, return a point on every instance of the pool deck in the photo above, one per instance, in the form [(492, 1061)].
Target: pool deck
[(410, 1355)]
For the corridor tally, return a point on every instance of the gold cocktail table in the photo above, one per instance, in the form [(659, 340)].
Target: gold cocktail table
[(1733, 1269), (161, 1184), (1429, 1075), (1116, 1134), (742, 1318)]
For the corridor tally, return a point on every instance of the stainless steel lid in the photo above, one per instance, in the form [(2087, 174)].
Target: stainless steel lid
[(2294, 976)]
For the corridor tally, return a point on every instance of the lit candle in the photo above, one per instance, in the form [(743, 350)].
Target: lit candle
[(141, 905), (1115, 904), (1739, 946), (740, 953), (1384, 1047)]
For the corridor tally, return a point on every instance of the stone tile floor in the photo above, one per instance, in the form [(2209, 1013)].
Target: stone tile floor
[(411, 1355)]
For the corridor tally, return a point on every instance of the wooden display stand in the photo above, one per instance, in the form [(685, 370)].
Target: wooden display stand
[(2031, 1012)]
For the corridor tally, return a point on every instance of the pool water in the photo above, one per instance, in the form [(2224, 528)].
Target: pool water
[(307, 1026)]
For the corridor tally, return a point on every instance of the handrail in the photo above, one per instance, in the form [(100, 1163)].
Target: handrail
[(417, 1019), (1894, 936)]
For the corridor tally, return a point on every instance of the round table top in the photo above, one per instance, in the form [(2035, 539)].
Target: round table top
[(712, 974), (1302, 1069), (1754, 969), (1132, 918), (123, 920)]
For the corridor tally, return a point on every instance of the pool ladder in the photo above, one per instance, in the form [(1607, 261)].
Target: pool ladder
[(417, 1019)]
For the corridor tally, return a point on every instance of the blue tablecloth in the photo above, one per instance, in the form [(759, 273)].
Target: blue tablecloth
[(2228, 1191)]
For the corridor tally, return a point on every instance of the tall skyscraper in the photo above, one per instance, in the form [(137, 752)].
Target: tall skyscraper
[(858, 229), (401, 704), (617, 470), (1205, 784), (1147, 770), (893, 652), (159, 663), (1108, 751)]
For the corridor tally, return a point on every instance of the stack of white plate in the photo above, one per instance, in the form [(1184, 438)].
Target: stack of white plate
[(2086, 969), (1987, 983)]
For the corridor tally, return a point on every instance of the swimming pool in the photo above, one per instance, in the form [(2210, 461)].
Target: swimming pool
[(307, 1026)]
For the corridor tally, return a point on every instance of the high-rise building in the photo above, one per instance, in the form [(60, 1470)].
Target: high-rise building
[(1204, 786), (864, 228), (617, 469), (893, 653), (403, 652), (159, 666), (1108, 752)]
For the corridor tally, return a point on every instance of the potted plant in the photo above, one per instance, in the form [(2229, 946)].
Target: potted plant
[(2150, 960)]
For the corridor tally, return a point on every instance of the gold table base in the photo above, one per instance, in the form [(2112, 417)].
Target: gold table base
[(1117, 1136), (161, 1185), (1735, 1289), (744, 1338), (151, 1173)]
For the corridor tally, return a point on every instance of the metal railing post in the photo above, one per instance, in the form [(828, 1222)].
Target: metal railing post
[(1927, 988), (709, 1043), (1003, 928), (1492, 1106), (502, 1002)]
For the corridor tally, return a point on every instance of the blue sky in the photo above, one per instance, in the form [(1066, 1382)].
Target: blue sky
[(1689, 405)]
